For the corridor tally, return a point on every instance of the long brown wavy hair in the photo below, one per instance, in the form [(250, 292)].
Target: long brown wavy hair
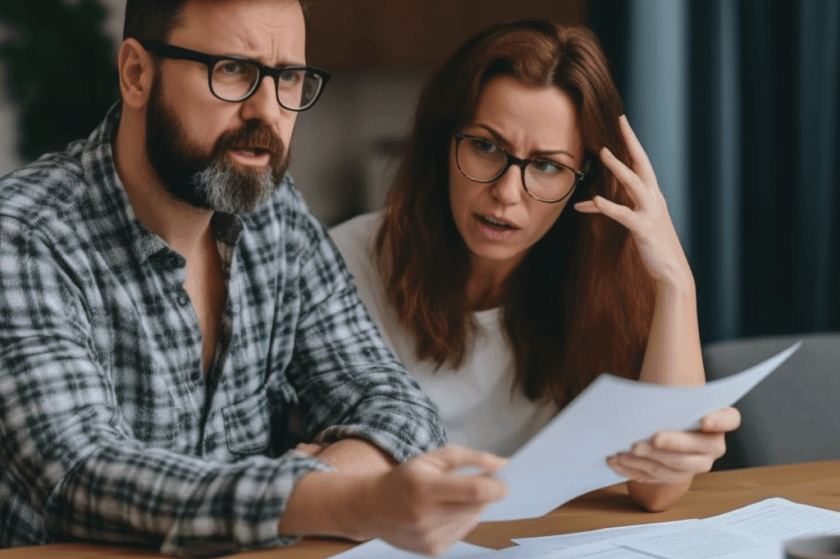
[(581, 302)]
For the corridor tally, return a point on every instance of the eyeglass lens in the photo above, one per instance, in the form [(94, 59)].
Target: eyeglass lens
[(233, 80), (484, 161)]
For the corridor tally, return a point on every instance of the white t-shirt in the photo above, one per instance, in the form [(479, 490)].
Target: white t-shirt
[(475, 401)]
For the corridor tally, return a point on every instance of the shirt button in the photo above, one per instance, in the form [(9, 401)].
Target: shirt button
[(183, 300)]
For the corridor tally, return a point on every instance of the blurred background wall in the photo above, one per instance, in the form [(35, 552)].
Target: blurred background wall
[(735, 102)]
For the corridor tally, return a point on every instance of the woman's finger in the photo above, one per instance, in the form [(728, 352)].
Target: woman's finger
[(633, 184), (694, 463), (721, 421), (641, 162), (648, 471), (618, 212), (690, 442)]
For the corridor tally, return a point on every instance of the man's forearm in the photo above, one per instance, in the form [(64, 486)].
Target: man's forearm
[(320, 504), (356, 456)]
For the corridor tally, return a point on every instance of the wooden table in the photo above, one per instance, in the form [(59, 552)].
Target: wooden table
[(816, 483)]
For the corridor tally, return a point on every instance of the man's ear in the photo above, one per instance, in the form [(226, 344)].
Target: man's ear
[(136, 69)]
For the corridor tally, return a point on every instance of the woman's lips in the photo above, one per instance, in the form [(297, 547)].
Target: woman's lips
[(495, 228)]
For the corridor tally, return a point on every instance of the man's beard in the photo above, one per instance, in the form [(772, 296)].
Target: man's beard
[(211, 180)]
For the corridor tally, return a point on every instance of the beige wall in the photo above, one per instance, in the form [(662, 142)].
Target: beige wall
[(334, 160)]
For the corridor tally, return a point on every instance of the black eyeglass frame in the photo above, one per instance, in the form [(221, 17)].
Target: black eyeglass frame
[(519, 162), (210, 60)]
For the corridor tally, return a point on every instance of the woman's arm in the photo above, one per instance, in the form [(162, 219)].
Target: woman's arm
[(673, 356), (660, 470)]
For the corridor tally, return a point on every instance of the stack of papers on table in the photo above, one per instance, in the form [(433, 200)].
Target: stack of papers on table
[(757, 531), (377, 549)]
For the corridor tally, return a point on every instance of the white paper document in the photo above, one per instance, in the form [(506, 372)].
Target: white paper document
[(757, 531), (566, 541), (378, 549), (567, 458)]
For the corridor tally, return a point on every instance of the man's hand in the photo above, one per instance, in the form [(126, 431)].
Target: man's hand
[(423, 506)]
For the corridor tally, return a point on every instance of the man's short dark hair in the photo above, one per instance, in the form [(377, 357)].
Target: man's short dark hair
[(153, 20)]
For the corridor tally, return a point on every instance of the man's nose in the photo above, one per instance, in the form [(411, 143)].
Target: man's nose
[(263, 105)]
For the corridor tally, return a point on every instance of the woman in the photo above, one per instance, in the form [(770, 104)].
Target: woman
[(526, 248)]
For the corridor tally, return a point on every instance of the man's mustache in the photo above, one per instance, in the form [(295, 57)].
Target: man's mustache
[(252, 136)]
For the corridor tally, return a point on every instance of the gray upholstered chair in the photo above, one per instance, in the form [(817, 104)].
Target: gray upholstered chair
[(794, 414)]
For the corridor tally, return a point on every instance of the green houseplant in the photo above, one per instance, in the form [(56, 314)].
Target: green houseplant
[(59, 70)]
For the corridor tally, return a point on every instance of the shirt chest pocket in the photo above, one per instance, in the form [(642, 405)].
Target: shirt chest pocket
[(248, 425)]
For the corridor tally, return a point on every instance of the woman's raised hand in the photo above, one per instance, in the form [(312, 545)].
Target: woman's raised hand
[(649, 221)]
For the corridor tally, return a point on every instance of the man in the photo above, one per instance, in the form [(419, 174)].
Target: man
[(166, 298)]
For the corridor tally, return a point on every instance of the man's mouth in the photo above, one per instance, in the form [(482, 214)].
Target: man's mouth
[(251, 152)]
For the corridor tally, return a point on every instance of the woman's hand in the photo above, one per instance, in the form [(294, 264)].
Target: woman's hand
[(677, 456), (649, 221)]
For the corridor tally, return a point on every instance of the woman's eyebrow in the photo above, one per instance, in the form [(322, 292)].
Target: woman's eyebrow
[(499, 139)]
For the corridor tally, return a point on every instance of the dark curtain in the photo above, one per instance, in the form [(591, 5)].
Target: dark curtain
[(785, 129), (764, 242)]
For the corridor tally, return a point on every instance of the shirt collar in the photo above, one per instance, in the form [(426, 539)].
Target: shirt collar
[(112, 207)]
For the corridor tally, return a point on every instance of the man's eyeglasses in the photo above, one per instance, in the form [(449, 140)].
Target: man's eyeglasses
[(236, 78), (545, 180)]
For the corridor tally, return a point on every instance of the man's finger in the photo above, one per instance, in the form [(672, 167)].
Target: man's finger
[(468, 490), (454, 457)]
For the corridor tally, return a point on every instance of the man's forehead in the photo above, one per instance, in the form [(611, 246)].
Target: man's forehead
[(272, 31)]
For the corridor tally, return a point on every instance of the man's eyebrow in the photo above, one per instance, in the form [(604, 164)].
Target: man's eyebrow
[(261, 60)]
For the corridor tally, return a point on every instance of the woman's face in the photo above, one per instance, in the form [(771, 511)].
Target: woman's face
[(499, 221)]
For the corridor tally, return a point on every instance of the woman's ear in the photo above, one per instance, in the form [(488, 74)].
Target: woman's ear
[(136, 72)]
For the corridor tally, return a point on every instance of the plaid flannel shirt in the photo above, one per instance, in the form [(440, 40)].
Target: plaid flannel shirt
[(110, 431)]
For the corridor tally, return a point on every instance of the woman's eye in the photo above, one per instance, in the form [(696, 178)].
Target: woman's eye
[(484, 145), (547, 167)]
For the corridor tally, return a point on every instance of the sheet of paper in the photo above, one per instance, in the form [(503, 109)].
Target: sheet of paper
[(567, 458), (378, 549), (779, 520), (599, 550), (566, 541), (757, 531)]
